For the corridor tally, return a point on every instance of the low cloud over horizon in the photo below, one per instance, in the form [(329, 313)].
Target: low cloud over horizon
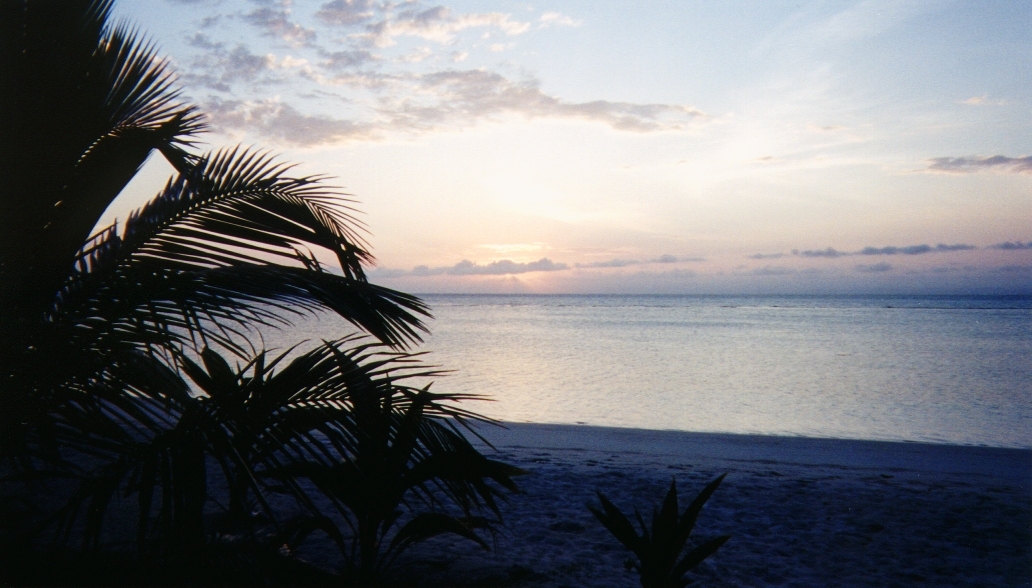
[(975, 164), (507, 267), (469, 268), (831, 252), (665, 258)]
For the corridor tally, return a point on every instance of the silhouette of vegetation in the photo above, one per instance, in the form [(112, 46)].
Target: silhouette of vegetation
[(116, 395), (402, 471), (658, 551)]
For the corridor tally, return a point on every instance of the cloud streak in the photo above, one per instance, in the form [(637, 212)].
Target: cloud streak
[(773, 270), (277, 23), (281, 122), (873, 268), (495, 268), (1012, 246), (915, 249), (831, 252), (975, 164), (425, 103), (381, 24), (220, 67), (665, 258), (475, 95), (509, 267), (407, 90)]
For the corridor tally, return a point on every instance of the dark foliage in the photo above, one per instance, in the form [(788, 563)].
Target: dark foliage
[(659, 552), (114, 388), (401, 471), (226, 246)]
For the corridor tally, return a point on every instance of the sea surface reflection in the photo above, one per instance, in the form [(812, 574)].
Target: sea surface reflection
[(938, 369)]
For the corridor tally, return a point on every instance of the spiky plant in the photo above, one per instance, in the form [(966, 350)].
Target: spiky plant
[(661, 558)]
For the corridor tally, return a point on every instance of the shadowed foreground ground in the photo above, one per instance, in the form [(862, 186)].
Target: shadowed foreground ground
[(803, 512)]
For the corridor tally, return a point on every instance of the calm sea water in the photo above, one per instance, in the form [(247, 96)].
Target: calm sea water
[(938, 369)]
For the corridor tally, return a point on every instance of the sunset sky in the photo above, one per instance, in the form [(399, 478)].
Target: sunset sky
[(674, 147)]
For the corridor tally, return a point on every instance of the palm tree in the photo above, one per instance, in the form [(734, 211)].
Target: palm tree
[(227, 243), (391, 458), (94, 328)]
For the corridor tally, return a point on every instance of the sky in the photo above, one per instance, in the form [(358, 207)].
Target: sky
[(620, 147)]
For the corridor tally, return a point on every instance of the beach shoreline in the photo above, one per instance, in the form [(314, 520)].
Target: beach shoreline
[(801, 511), (734, 447)]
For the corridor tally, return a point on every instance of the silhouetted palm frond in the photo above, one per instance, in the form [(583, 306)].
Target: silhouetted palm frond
[(232, 240), (98, 332), (82, 105), (400, 471), (336, 414)]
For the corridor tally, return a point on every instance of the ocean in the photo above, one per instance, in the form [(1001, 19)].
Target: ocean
[(942, 369)]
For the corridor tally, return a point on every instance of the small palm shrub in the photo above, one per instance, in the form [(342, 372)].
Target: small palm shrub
[(658, 551), (398, 468)]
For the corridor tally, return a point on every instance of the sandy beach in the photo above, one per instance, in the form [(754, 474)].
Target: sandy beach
[(801, 511)]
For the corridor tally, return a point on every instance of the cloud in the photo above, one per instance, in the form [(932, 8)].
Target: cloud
[(891, 250), (388, 91), (610, 263), (772, 270), (430, 102), (873, 268), (824, 129), (346, 59), (915, 249), (406, 102), (495, 268), (386, 273), (449, 99), (1012, 246), (982, 100), (472, 95), (975, 164), (954, 247), (665, 258), (438, 23), (766, 256), (276, 23), (381, 24), (866, 19), (345, 12), (554, 19), (829, 252), (417, 55), (279, 121), (219, 68)]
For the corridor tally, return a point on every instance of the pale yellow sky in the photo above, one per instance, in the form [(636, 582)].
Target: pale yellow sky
[(599, 147)]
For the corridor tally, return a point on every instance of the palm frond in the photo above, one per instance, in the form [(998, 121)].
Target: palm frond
[(222, 244), (238, 206), (81, 107)]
